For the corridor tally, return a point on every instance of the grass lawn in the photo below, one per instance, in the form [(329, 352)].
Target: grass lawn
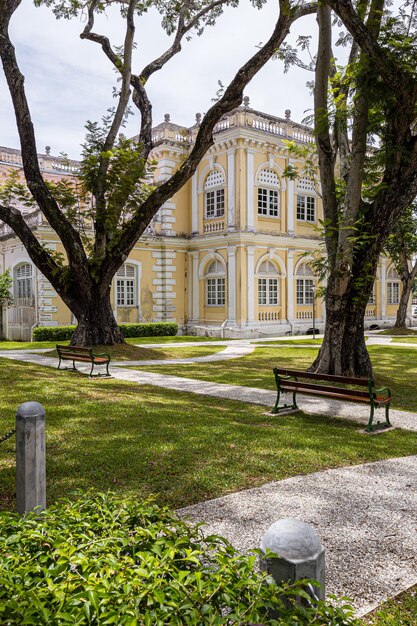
[(129, 352), (404, 340), (108, 434), (398, 331), (34, 345), (401, 610), (395, 368), (292, 342)]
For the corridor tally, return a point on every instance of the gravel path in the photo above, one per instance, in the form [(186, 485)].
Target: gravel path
[(365, 516)]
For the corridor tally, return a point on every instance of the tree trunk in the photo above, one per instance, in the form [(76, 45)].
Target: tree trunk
[(343, 351), (96, 322), (407, 284)]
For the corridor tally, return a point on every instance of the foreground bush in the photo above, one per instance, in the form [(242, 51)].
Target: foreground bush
[(108, 560), (148, 329)]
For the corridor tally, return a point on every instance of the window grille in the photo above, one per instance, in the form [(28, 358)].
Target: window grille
[(23, 281), (126, 285), (306, 208)]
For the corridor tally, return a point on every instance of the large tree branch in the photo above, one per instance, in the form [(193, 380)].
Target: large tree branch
[(389, 72), (126, 73), (183, 28), (35, 182), (353, 196), (322, 131), (232, 97), (39, 255)]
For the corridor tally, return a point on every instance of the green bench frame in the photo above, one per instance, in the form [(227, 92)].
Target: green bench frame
[(288, 381), (81, 354)]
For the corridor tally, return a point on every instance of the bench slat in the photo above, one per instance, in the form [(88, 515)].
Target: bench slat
[(298, 386), (313, 376)]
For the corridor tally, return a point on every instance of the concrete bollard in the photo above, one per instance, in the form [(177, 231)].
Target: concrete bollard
[(301, 554), (30, 457)]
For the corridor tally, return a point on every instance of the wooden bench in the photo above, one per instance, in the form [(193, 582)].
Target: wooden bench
[(288, 381), (83, 355)]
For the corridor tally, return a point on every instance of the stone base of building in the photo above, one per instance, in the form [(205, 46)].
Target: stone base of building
[(258, 330)]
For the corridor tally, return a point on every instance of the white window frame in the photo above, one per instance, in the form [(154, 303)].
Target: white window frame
[(214, 200), (304, 212), (268, 284), (126, 287), (393, 292), (23, 283), (215, 285), (304, 291), (268, 205), (269, 193), (214, 195)]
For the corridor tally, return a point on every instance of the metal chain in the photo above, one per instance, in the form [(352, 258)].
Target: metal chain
[(7, 435)]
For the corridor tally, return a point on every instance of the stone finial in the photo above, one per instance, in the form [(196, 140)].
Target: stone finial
[(48, 150), (167, 117), (287, 114), (301, 554), (246, 101), (198, 118)]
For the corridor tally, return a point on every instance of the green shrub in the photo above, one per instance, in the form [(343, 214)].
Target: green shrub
[(148, 329), (107, 560), (53, 333)]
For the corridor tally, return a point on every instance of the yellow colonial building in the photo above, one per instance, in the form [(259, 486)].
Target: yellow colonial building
[(228, 255)]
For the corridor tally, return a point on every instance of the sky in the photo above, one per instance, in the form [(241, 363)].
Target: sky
[(70, 81)]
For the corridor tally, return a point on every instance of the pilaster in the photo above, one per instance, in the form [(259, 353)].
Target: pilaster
[(383, 287), (290, 202), (231, 214), (250, 174), (231, 283), (195, 289), (290, 285), (250, 264), (194, 203)]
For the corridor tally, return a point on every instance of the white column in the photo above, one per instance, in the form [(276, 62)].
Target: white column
[(196, 290), (231, 283), (290, 285), (250, 279), (194, 203), (231, 219), (290, 205), (190, 285), (383, 287), (250, 173)]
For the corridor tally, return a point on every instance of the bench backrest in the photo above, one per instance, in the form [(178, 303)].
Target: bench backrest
[(348, 380), (297, 384), (73, 350)]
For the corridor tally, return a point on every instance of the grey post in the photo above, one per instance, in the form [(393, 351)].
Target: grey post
[(301, 554), (30, 457)]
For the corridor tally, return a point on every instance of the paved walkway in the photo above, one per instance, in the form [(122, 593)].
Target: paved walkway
[(364, 515)]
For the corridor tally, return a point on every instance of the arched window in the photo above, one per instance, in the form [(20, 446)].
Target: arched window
[(215, 284), (23, 281), (268, 193), (214, 195), (306, 200), (305, 284), (268, 293), (393, 287), (126, 285)]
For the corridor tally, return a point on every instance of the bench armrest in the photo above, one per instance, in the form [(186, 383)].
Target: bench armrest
[(93, 354), (389, 394)]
